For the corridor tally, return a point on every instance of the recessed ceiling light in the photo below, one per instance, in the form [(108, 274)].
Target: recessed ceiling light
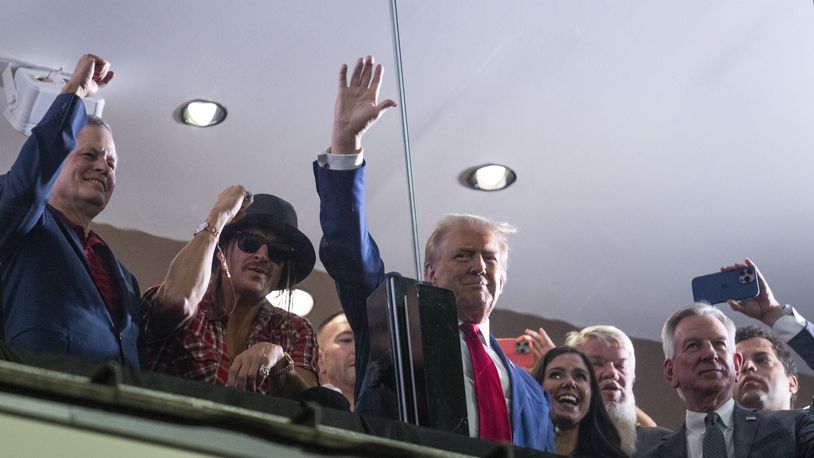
[(202, 113), (301, 302), (490, 177)]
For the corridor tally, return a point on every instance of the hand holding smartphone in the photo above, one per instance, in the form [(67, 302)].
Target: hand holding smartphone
[(518, 350), (719, 287)]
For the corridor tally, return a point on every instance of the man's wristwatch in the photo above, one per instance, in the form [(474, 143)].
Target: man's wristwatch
[(205, 226)]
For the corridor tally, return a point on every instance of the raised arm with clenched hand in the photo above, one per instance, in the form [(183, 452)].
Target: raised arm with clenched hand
[(91, 74), (188, 277)]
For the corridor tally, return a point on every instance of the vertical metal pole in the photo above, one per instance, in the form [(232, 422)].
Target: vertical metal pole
[(405, 132)]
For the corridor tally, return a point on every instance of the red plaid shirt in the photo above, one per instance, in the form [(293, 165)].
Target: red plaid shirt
[(198, 350)]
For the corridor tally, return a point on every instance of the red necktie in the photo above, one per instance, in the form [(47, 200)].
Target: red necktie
[(102, 278), (493, 417)]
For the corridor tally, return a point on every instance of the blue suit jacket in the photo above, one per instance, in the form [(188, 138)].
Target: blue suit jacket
[(50, 302), (788, 433), (352, 259)]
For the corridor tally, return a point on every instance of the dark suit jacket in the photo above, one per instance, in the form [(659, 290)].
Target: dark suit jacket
[(788, 433), (352, 259), (803, 344), (649, 437), (49, 299)]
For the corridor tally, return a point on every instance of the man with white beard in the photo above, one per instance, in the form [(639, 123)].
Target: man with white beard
[(611, 353)]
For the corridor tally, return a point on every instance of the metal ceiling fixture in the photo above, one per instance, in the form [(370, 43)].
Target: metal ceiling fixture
[(202, 113), (30, 90), (489, 177)]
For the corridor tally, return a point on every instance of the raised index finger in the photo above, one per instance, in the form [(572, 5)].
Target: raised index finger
[(546, 338)]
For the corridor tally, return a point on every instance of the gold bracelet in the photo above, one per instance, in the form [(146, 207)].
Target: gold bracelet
[(278, 371)]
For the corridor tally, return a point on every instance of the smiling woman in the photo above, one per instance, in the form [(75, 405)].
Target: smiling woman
[(582, 425)]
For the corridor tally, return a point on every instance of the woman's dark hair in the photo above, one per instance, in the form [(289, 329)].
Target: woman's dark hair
[(597, 436)]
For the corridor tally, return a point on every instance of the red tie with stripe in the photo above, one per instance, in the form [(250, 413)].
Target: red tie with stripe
[(493, 416), (102, 278)]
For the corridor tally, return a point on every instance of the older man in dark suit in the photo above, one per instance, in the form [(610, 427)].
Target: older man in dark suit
[(63, 290), (701, 363)]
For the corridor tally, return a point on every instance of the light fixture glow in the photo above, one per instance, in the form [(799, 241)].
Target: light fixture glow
[(301, 301), (202, 113), (490, 177)]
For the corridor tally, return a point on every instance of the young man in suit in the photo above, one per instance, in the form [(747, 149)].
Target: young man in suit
[(768, 378), (466, 254)]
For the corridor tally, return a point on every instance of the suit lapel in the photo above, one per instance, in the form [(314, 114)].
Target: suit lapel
[(673, 445), (745, 423), (73, 238), (499, 351), (516, 405)]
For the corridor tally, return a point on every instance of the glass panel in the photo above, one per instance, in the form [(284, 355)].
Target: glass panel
[(653, 142)]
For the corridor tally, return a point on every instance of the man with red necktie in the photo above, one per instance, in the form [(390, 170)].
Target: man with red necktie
[(63, 291), (466, 254)]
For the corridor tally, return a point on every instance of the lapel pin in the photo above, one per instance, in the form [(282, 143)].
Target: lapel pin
[(751, 418)]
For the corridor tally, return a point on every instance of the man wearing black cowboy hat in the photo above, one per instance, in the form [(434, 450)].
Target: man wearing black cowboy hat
[(210, 320)]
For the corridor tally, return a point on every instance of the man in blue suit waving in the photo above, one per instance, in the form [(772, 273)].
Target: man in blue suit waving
[(63, 291), (466, 254)]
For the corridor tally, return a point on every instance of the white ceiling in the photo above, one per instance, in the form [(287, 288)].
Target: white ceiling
[(654, 140)]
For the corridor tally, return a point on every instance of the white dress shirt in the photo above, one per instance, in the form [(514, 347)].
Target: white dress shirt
[(788, 325), (332, 161)]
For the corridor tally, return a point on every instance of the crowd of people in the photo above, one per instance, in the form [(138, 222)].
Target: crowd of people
[(209, 320)]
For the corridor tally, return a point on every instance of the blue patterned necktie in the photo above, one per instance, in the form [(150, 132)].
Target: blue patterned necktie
[(714, 443)]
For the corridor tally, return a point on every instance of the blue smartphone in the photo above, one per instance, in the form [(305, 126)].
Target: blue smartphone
[(719, 287)]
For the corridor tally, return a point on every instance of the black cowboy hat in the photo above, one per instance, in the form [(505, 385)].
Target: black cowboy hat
[(271, 212)]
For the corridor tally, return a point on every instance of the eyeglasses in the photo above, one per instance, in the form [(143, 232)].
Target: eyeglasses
[(277, 252)]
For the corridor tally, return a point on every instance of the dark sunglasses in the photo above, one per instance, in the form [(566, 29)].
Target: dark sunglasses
[(277, 252)]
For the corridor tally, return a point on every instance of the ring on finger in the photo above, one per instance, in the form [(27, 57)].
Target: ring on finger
[(264, 371)]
